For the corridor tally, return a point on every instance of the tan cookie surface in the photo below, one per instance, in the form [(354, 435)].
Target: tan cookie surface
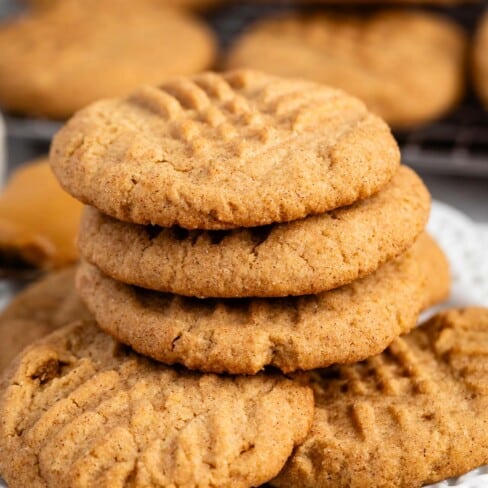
[(242, 336), (36, 311), (55, 61), (38, 220), (191, 4), (79, 409), (302, 257), (414, 415), (218, 151), (408, 67), (480, 60)]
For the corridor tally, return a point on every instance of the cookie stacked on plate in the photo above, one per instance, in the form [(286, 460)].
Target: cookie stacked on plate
[(238, 221), (241, 220)]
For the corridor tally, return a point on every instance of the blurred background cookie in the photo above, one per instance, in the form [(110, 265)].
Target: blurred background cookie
[(38, 219), (57, 60), (480, 60), (407, 66), (190, 4)]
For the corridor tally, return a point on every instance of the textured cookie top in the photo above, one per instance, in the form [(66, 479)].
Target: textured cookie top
[(416, 414), (219, 151), (55, 61), (480, 60), (242, 336), (406, 66), (79, 409), (305, 256), (38, 310)]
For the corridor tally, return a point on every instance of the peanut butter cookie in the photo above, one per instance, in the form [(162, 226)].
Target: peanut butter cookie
[(306, 256), (36, 311), (480, 60), (38, 219), (219, 151), (407, 66), (79, 409), (242, 336), (414, 415), (55, 61)]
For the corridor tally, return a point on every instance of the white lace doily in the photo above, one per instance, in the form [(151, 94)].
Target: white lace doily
[(466, 245)]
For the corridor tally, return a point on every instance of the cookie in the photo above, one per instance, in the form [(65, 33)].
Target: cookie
[(407, 66), (480, 60), (92, 53), (190, 4), (220, 151), (38, 310), (242, 336), (79, 409), (38, 219), (302, 257), (414, 415)]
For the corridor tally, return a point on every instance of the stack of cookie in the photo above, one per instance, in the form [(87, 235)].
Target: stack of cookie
[(285, 196), (236, 221)]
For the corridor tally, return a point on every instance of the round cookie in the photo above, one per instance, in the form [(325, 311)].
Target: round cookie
[(414, 415), (79, 409), (407, 66), (480, 60), (38, 310), (302, 257), (190, 4), (92, 53), (219, 151), (242, 336)]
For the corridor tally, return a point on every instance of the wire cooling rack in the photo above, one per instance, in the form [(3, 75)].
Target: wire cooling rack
[(457, 144)]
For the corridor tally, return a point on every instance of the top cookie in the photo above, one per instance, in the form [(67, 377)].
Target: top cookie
[(54, 61), (219, 151), (80, 410), (408, 67), (414, 415)]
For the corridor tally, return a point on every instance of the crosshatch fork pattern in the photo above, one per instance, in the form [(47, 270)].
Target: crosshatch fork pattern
[(415, 414), (82, 410), (213, 110)]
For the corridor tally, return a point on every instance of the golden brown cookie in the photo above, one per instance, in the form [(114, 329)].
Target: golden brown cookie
[(38, 310), (55, 61), (218, 151), (407, 66), (190, 4), (79, 409), (242, 336), (305, 256), (414, 415), (38, 219), (480, 60)]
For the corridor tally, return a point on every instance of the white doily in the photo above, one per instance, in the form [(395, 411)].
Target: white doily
[(466, 245)]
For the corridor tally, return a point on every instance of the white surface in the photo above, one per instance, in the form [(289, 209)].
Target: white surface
[(466, 244)]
